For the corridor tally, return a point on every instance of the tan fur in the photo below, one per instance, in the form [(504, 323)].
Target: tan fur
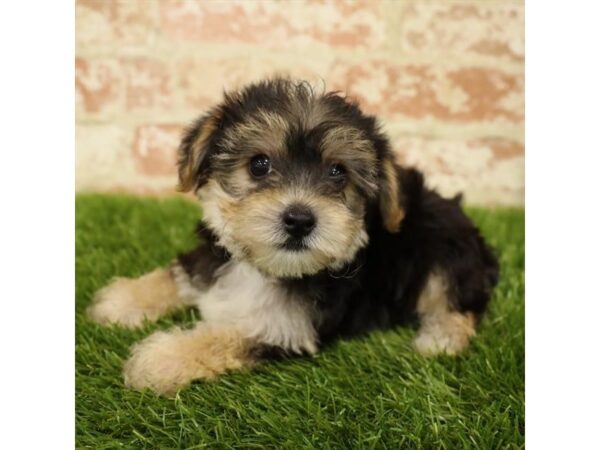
[(128, 302), (187, 173), (344, 142), (390, 201), (168, 361), (315, 114), (218, 207), (442, 329), (264, 133), (250, 229)]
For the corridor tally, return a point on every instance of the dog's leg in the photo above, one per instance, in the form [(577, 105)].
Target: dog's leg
[(442, 330), (167, 361), (128, 302)]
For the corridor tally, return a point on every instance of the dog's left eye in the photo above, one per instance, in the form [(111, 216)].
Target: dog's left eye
[(336, 170), (260, 165)]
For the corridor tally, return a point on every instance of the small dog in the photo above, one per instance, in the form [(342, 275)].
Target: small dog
[(311, 232)]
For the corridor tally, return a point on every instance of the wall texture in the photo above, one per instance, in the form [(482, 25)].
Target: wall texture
[(445, 77)]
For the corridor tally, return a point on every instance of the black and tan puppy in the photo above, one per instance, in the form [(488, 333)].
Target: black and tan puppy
[(310, 233)]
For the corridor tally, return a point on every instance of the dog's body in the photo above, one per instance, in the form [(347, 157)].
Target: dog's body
[(311, 232)]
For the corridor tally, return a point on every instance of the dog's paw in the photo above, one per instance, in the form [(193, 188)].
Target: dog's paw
[(448, 336), (156, 363), (116, 304), (168, 361), (431, 344), (130, 301)]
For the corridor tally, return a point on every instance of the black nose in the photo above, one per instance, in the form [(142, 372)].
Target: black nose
[(298, 221)]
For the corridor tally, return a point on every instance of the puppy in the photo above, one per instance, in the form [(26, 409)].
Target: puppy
[(310, 233)]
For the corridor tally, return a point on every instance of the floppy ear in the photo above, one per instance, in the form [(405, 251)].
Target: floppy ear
[(192, 160), (390, 195)]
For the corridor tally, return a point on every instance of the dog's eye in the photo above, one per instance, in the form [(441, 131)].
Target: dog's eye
[(260, 165), (336, 170)]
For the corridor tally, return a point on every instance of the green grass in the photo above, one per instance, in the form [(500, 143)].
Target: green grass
[(374, 392)]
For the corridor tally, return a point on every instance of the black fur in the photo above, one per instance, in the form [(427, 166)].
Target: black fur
[(202, 263), (286, 98), (380, 288)]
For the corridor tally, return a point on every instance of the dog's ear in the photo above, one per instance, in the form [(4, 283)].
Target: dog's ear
[(192, 162), (391, 202)]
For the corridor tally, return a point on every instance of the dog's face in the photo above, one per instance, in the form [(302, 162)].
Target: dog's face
[(285, 177)]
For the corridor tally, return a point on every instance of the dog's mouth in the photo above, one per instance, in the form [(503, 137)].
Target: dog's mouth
[(294, 245)]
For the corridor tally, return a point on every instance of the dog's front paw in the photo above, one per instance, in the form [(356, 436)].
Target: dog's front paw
[(167, 361), (116, 304), (448, 335), (431, 344), (130, 301), (157, 363)]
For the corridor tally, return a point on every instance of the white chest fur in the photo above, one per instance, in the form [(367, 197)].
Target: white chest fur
[(259, 307)]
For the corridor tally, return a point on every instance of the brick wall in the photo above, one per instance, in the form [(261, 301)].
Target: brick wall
[(446, 77)]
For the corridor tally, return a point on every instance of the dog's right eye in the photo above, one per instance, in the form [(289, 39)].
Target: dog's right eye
[(260, 165)]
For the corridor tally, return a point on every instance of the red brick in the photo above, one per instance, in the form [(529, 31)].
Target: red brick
[(104, 22), (458, 94), (148, 84), (485, 28), (202, 81), (97, 85), (487, 171), (501, 148), (155, 149), (276, 24)]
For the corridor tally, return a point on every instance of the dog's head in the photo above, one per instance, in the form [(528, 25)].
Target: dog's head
[(285, 177)]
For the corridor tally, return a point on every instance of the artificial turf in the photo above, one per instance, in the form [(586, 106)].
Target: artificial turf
[(374, 392)]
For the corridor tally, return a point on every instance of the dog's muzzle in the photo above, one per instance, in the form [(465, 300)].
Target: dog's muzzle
[(298, 221)]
